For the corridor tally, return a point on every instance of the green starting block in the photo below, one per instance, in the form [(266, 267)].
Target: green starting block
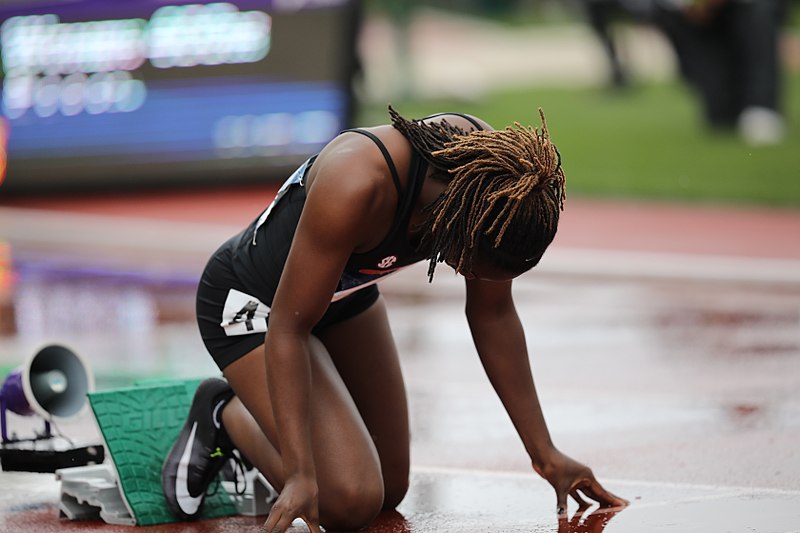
[(139, 425)]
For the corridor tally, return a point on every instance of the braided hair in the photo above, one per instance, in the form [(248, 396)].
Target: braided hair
[(503, 196)]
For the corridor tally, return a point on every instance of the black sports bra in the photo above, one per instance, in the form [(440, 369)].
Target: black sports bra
[(394, 251)]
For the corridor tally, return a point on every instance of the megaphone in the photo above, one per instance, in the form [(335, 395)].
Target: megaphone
[(53, 383)]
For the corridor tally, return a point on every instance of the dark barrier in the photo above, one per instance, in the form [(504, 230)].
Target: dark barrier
[(137, 92)]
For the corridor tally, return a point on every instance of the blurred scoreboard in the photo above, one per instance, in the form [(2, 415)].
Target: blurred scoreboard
[(99, 93)]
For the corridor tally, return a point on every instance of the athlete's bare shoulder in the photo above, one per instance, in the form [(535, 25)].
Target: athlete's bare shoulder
[(353, 172), (359, 158)]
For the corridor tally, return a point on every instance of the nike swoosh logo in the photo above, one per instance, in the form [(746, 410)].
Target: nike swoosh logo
[(215, 415), (188, 503)]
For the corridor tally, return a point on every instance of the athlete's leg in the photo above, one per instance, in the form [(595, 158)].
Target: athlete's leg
[(347, 465), (364, 352)]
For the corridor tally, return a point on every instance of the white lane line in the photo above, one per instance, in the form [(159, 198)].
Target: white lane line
[(732, 489), (624, 263)]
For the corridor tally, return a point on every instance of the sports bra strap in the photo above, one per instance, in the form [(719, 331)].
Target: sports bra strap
[(462, 115), (386, 155)]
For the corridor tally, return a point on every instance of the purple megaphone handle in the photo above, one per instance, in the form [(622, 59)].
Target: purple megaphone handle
[(12, 397)]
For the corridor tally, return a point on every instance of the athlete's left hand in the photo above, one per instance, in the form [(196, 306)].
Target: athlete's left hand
[(571, 478)]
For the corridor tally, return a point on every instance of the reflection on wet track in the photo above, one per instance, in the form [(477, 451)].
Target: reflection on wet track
[(681, 393)]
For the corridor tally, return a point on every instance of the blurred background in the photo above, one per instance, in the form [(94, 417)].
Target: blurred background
[(696, 101), (667, 99)]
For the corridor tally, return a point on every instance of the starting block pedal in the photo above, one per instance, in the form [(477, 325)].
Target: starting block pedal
[(139, 425), (91, 492)]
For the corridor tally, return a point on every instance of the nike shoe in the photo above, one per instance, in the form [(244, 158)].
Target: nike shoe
[(201, 450)]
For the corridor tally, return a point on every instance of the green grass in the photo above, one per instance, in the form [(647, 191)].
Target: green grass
[(648, 142)]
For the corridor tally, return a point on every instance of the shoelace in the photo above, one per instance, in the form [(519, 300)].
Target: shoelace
[(237, 469)]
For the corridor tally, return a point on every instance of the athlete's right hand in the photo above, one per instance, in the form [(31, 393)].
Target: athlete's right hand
[(298, 499)]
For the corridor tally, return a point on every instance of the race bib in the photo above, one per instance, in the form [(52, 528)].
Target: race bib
[(243, 314)]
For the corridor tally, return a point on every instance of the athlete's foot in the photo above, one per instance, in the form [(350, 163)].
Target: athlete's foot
[(200, 452)]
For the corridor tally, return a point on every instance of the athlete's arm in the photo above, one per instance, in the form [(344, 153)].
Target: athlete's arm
[(500, 341), (341, 199)]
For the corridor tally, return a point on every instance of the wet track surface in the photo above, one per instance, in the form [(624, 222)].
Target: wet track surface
[(679, 390)]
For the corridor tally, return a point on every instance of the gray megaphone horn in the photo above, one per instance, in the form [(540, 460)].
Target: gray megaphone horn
[(52, 383)]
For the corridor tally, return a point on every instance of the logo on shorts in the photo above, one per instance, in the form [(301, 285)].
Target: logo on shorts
[(387, 261), (246, 314)]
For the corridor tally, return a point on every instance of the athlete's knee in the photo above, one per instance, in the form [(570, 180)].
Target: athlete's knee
[(352, 504)]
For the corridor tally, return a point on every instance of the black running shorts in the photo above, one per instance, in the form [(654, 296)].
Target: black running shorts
[(239, 283)]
